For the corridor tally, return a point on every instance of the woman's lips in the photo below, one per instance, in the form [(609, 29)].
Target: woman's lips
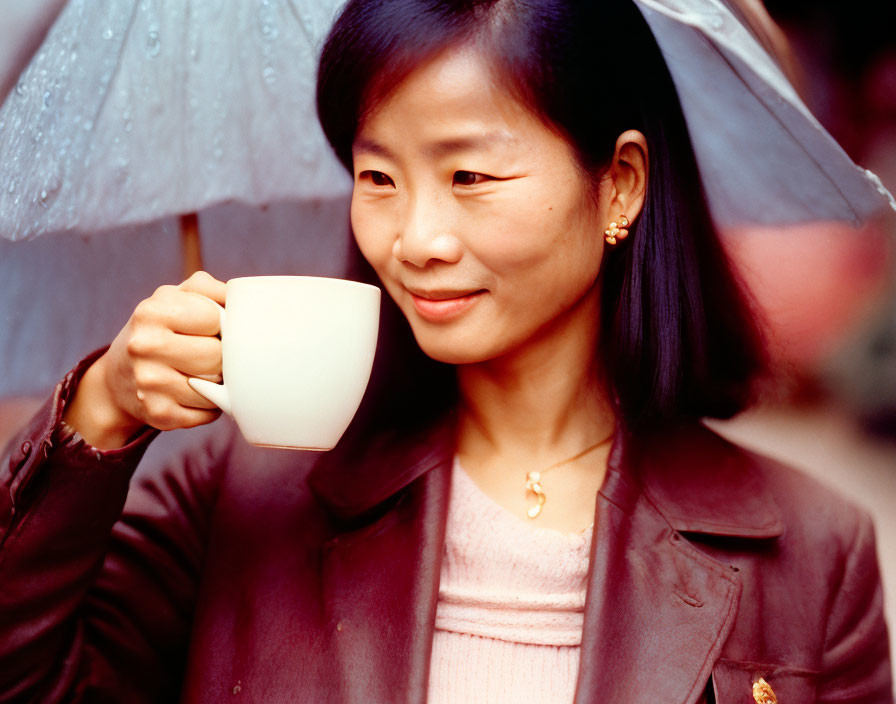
[(441, 305)]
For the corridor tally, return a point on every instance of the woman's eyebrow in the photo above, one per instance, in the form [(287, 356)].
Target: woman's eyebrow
[(362, 145), (470, 143), (443, 147)]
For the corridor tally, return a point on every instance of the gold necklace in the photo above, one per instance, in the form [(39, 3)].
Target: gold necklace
[(533, 479)]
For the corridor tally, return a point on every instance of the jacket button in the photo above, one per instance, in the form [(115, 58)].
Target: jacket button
[(763, 692)]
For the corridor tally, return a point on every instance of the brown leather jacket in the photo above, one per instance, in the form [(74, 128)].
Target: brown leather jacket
[(246, 575)]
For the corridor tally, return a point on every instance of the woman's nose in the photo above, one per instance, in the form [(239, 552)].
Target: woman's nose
[(426, 236)]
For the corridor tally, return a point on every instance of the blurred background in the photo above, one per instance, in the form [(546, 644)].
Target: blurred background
[(826, 292)]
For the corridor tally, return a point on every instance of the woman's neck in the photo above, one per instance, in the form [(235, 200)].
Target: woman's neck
[(535, 403)]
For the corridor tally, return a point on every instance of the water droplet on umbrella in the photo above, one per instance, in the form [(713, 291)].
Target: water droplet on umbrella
[(12, 187), (107, 33), (38, 136), (48, 97), (270, 75), (73, 56), (153, 44), (128, 126), (44, 196), (306, 23), (219, 152), (88, 125), (21, 89)]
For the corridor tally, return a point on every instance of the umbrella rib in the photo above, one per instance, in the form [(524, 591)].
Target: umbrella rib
[(127, 33), (292, 8)]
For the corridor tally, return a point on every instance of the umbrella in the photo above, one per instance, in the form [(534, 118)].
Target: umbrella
[(136, 110), (133, 111)]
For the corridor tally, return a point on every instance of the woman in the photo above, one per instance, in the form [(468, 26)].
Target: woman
[(525, 508)]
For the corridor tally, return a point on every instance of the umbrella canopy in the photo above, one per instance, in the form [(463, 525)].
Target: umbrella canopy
[(764, 158), (135, 110)]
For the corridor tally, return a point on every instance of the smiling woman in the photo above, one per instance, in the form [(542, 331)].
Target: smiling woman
[(466, 204), (480, 140), (526, 506)]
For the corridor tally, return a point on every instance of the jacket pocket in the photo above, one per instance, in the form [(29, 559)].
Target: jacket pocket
[(732, 682)]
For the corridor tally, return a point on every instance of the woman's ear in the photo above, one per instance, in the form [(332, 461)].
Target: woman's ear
[(628, 175)]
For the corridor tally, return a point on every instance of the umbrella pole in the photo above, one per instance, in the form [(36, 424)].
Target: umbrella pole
[(190, 246)]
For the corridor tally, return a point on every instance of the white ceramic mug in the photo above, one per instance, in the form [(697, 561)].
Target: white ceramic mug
[(297, 352)]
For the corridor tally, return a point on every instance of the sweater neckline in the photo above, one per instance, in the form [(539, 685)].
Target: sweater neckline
[(460, 475)]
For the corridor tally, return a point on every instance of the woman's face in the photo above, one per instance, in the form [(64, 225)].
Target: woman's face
[(475, 215)]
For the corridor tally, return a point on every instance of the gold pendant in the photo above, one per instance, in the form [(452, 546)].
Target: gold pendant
[(763, 692), (533, 485)]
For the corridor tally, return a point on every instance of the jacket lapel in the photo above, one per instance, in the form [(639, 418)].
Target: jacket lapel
[(658, 611), (381, 572)]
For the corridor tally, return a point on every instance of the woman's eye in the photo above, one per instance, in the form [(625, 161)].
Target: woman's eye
[(378, 178), (468, 178)]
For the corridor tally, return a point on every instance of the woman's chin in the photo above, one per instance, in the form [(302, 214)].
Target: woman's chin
[(451, 349)]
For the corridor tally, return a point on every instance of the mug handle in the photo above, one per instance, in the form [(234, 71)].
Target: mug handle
[(216, 393)]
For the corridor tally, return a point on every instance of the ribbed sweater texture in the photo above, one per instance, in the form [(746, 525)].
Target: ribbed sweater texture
[(511, 604)]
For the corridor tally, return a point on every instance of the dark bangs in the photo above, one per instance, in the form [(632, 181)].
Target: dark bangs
[(677, 337)]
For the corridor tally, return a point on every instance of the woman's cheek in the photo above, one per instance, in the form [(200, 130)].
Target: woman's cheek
[(368, 234)]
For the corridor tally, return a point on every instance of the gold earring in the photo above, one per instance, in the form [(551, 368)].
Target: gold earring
[(617, 230)]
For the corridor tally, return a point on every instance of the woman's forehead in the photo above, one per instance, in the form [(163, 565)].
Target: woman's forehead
[(453, 101)]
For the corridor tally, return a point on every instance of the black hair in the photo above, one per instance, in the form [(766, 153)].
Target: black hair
[(678, 339)]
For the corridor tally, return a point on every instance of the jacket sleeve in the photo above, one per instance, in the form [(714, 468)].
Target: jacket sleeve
[(97, 581), (857, 657)]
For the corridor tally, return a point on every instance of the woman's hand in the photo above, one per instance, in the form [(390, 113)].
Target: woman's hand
[(142, 378)]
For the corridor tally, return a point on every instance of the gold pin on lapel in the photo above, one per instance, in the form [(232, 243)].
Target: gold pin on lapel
[(763, 692)]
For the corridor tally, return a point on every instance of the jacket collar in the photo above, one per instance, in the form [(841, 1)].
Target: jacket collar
[(701, 483), (698, 481), (355, 477)]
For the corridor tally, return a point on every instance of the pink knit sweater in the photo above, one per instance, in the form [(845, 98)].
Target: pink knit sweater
[(511, 602)]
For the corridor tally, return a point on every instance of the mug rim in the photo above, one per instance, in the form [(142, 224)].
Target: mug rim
[(288, 277)]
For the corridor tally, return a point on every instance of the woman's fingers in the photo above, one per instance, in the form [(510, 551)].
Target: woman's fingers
[(163, 398), (179, 310), (171, 336), (206, 285), (193, 355)]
